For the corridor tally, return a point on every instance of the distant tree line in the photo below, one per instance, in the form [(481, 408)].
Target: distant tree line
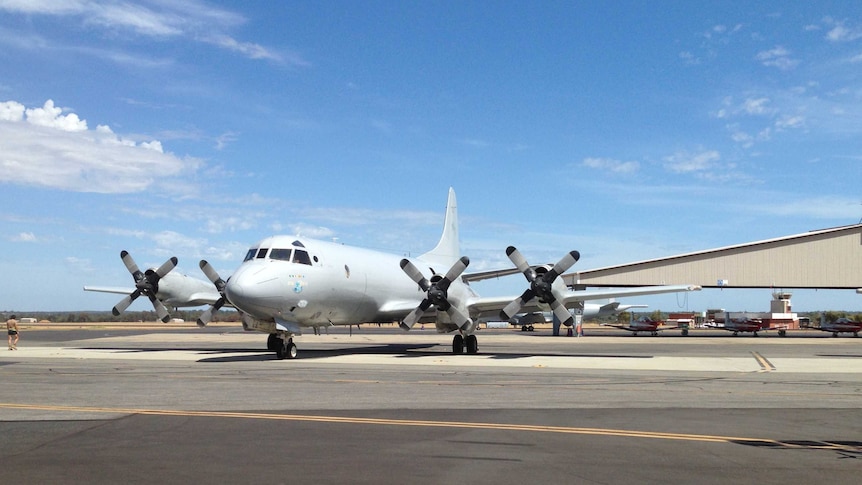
[(128, 316)]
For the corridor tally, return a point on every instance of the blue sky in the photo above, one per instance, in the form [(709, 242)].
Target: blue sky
[(626, 130)]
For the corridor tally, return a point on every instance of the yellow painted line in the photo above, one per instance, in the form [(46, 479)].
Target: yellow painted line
[(765, 365), (394, 422)]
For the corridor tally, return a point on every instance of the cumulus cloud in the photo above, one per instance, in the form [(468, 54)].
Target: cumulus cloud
[(609, 164), (44, 147)]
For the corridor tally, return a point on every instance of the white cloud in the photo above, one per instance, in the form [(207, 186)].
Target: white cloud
[(52, 117), (778, 57), (154, 18), (46, 148), (756, 106), (685, 162), (609, 164), (840, 32), (24, 237)]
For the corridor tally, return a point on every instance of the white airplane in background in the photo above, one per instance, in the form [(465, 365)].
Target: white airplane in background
[(590, 310), (287, 283)]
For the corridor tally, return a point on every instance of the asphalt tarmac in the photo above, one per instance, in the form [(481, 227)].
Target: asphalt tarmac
[(181, 405)]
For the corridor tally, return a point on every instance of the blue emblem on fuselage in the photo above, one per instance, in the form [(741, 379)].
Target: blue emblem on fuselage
[(297, 286)]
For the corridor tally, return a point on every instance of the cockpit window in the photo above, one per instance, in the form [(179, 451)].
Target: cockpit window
[(298, 244), (261, 252), (280, 254), (250, 254), (301, 257)]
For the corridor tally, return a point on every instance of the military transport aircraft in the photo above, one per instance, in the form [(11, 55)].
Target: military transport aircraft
[(288, 283)]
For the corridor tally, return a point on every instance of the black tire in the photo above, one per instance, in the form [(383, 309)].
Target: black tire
[(458, 344), (272, 343), (472, 344)]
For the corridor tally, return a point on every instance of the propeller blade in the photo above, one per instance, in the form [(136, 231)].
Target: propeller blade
[(415, 275), (458, 317), (220, 284), (453, 273), (521, 263), (131, 265), (125, 302), (212, 275), (563, 265), (167, 266), (207, 315), (515, 305), (415, 315), (562, 314), (164, 316)]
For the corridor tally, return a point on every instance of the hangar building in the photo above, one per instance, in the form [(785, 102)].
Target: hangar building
[(821, 259)]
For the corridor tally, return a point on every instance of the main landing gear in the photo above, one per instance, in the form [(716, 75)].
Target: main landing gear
[(460, 343), (284, 348)]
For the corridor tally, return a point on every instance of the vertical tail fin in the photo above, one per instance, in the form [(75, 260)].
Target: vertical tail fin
[(448, 249)]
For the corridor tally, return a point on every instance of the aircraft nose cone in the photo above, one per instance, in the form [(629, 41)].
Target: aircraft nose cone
[(254, 290)]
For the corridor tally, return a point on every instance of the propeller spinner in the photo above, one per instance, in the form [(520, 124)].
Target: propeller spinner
[(436, 294), (541, 286), (146, 283)]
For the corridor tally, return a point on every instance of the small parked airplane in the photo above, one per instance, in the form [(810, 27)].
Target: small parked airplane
[(287, 283), (746, 324), (840, 326), (642, 324)]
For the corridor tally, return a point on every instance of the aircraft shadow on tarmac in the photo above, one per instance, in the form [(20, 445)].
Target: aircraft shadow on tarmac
[(405, 351), (844, 449)]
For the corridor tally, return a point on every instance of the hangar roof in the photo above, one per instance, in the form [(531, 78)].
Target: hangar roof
[(824, 258)]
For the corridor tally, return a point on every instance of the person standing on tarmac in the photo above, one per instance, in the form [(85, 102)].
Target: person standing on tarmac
[(12, 330)]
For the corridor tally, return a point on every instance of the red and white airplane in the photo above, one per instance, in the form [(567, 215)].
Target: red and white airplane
[(287, 283), (642, 324), (841, 325), (746, 324)]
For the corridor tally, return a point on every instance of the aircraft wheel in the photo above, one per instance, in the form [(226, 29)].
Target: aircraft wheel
[(472, 344), (458, 344), (272, 342), (523, 328), (286, 349), (685, 332), (834, 334), (530, 328), (782, 333)]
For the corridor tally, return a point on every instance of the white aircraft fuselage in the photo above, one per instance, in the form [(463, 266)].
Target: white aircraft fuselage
[(327, 284)]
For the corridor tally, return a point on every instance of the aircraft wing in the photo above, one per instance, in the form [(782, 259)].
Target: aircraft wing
[(490, 307), (486, 275), (109, 289), (621, 327), (598, 294)]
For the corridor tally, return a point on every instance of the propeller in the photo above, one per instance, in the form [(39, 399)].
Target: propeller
[(541, 286), (146, 283), (436, 294), (220, 284)]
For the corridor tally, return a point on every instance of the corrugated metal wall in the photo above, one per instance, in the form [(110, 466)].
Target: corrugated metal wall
[(829, 258)]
